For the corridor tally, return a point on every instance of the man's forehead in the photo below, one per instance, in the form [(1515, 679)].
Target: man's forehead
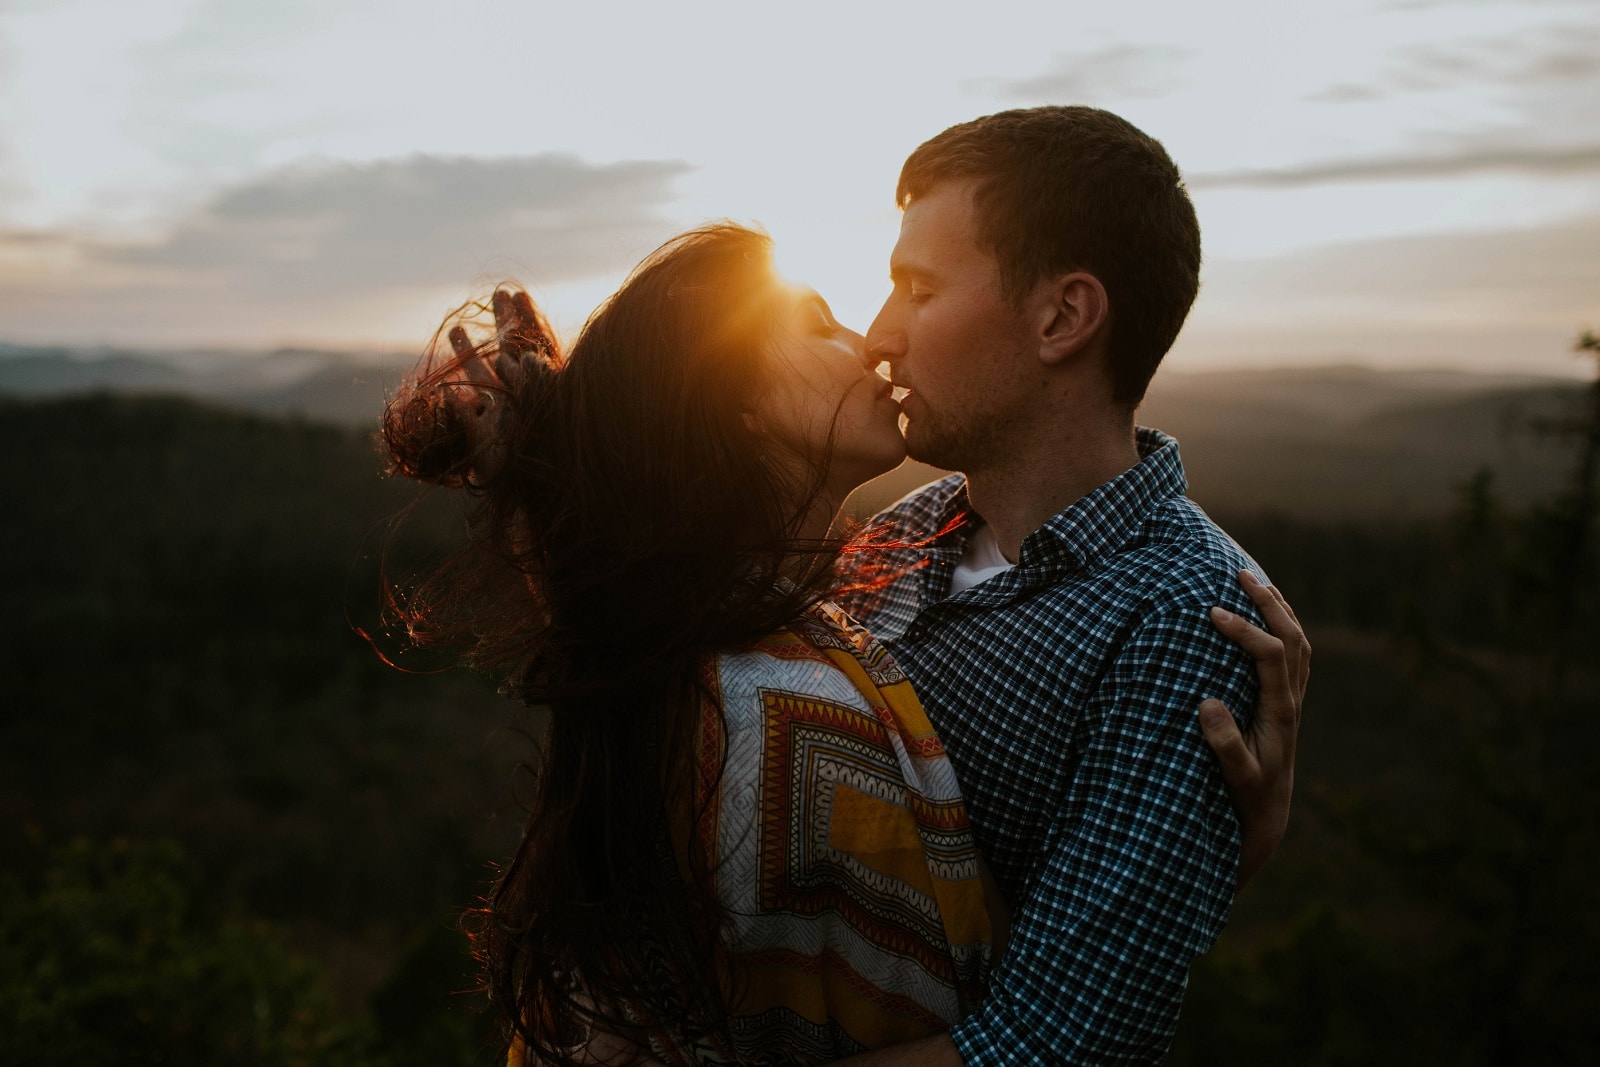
[(936, 228)]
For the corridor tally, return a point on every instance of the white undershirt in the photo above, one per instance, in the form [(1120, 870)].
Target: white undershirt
[(980, 560)]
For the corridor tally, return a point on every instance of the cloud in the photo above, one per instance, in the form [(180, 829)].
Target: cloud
[(214, 93), (315, 243), (1497, 271), (1563, 54), (1118, 72), (1345, 93), (1495, 299), (1526, 158), (417, 221), (1551, 59), (1546, 84)]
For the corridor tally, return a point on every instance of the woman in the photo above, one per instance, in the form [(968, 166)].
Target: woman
[(746, 844)]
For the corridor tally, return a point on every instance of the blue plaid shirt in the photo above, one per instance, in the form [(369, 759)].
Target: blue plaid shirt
[(1065, 691)]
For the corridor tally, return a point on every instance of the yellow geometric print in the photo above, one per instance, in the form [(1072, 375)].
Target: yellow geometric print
[(844, 857)]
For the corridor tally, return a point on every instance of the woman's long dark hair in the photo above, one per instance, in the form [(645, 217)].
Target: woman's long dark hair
[(625, 524)]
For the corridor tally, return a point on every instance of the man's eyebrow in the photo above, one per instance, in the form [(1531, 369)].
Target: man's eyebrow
[(905, 272)]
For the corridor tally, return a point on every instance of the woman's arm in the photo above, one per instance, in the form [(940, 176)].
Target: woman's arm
[(1258, 763)]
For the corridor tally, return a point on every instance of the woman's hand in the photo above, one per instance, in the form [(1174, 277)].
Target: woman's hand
[(1258, 764), (523, 344)]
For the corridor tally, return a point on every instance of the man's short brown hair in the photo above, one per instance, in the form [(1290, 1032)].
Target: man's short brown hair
[(1060, 189)]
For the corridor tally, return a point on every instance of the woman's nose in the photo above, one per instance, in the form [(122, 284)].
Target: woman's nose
[(858, 344)]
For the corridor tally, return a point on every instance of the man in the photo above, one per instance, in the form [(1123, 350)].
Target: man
[(1059, 633)]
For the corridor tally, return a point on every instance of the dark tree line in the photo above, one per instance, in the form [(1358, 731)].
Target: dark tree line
[(1434, 901)]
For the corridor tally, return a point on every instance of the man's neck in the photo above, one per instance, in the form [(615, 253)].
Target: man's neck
[(1020, 495)]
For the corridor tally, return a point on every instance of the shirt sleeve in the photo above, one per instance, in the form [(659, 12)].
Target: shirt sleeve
[(1138, 868)]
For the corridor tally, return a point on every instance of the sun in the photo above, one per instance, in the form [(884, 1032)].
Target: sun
[(847, 262)]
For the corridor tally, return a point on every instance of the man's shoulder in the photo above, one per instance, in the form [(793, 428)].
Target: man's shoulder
[(1187, 558)]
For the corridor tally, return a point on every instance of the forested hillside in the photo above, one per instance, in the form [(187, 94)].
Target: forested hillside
[(179, 665), (233, 834)]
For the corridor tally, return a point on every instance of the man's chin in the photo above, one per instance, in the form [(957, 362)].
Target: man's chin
[(934, 450)]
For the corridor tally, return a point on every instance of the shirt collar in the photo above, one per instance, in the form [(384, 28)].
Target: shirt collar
[(1091, 528), (1108, 518)]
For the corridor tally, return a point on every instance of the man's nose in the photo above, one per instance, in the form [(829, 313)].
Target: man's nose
[(885, 340), (886, 350), (863, 351), (868, 359)]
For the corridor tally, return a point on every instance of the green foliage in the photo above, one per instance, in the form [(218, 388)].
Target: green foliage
[(112, 958), (177, 584), (427, 1012)]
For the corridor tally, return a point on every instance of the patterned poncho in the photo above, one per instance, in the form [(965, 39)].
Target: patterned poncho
[(844, 856)]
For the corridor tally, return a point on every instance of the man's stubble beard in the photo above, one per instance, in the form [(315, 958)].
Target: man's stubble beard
[(977, 441), (982, 433)]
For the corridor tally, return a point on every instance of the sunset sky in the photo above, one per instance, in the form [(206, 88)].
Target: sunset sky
[(1397, 183)]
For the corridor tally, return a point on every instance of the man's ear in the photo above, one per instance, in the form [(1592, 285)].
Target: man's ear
[(1071, 312)]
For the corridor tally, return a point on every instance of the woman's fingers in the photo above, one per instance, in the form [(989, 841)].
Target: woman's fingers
[(472, 364), (527, 318), (1239, 765), (520, 332), (1274, 609), (1278, 709), (1259, 783), (1296, 645), (517, 323), (530, 341), (508, 326), (1265, 649), (1285, 625), (460, 343), (1258, 763), (505, 315)]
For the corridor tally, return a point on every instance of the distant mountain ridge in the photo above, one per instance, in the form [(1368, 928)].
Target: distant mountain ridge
[(1343, 442), (344, 387), (1317, 442)]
